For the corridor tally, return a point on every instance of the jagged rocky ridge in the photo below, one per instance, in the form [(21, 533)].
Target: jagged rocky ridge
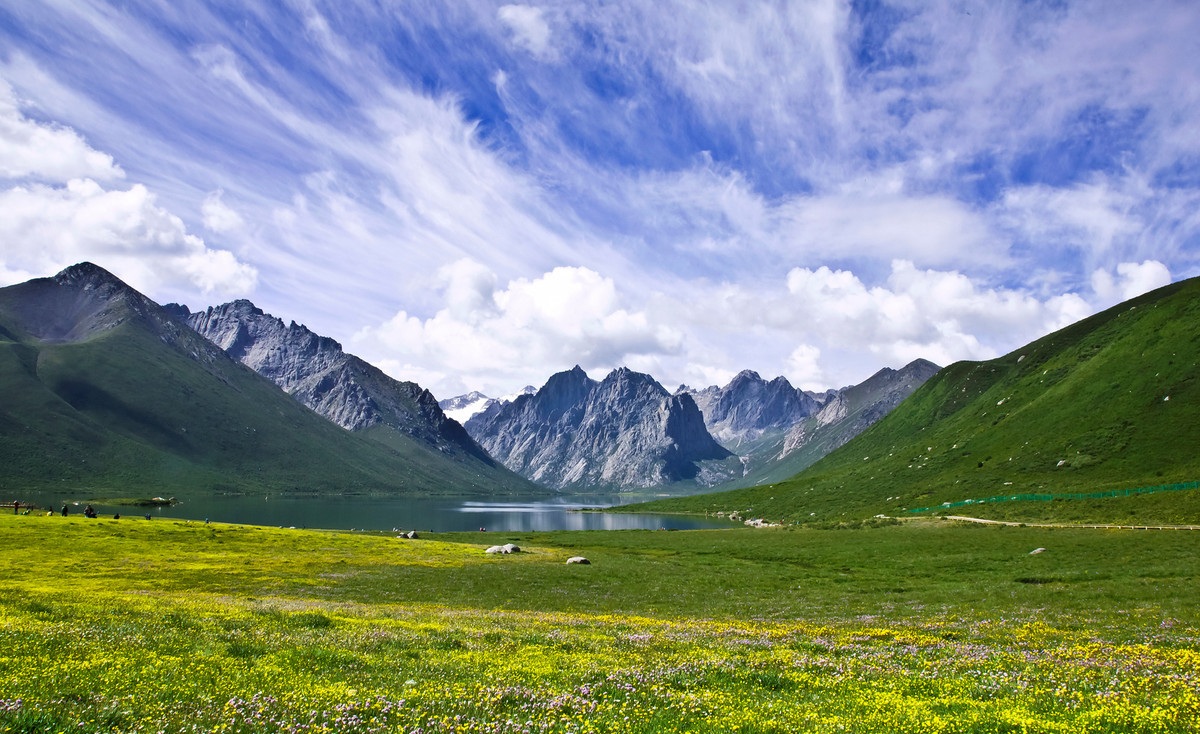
[(779, 430), (852, 410), (316, 371), (625, 431), (749, 406)]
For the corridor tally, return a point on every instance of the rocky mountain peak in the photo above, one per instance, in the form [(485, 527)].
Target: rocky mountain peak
[(286, 354), (748, 406), (624, 431), (85, 275), (80, 302), (744, 377), (623, 385), (562, 392), (853, 409)]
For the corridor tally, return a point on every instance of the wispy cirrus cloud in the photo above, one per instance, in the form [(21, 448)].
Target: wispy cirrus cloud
[(728, 179)]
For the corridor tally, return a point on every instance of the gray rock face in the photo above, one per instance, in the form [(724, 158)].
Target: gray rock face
[(778, 430), (750, 406), (854, 409), (623, 432), (314, 370)]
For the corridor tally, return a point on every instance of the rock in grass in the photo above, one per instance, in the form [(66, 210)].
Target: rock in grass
[(1035, 551), (579, 559)]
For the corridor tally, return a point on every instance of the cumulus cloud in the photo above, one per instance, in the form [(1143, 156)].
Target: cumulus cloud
[(501, 336), (819, 327), (47, 152), (57, 213), (818, 188), (1131, 280), (46, 228), (938, 315), (804, 368)]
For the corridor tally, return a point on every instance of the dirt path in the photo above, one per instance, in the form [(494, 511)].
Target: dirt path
[(963, 518)]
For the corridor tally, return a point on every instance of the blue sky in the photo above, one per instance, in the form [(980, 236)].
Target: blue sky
[(475, 195)]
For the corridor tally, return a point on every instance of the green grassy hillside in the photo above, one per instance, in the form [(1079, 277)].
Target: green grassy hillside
[(1111, 402), (141, 405)]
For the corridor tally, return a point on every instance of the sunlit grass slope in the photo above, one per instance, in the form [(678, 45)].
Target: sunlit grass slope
[(139, 626), (1111, 402)]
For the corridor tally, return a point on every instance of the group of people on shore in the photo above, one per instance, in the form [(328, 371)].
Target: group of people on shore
[(88, 510)]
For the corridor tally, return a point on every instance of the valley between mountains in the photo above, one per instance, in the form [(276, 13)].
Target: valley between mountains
[(112, 395)]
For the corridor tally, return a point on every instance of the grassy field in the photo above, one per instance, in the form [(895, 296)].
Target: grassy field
[(929, 626)]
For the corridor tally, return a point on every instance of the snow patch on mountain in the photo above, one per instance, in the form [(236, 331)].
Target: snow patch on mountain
[(465, 407)]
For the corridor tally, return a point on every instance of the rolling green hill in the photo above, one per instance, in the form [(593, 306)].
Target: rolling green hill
[(105, 394), (1109, 403)]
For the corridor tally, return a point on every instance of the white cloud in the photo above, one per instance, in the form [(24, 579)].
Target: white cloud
[(528, 27), (218, 216), (804, 368), (763, 65), (823, 327), (819, 327), (46, 152), (60, 215), (938, 315), (692, 164), (47, 228), (497, 338), (1131, 280)]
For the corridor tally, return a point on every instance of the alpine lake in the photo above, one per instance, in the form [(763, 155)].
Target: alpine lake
[(441, 514)]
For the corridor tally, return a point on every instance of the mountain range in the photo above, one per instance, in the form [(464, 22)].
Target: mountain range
[(625, 431), (749, 406), (106, 392), (316, 371)]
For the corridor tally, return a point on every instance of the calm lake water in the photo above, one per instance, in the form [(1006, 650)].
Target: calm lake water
[(429, 515)]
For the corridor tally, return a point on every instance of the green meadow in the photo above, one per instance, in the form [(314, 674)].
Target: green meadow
[(926, 626)]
